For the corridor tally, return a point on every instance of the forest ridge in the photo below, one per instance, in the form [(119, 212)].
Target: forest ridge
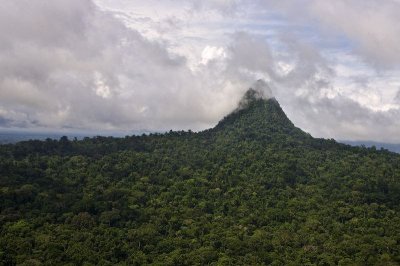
[(254, 190)]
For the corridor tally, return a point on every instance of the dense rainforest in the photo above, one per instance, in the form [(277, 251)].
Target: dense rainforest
[(254, 190)]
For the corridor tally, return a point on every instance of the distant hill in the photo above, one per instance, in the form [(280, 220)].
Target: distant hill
[(254, 190), (8, 137), (378, 145), (14, 136)]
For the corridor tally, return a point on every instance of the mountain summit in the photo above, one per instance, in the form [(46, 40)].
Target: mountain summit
[(259, 117), (259, 90)]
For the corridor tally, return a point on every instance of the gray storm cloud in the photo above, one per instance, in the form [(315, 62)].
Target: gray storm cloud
[(71, 64)]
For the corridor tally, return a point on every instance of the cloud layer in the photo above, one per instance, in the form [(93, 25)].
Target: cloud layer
[(134, 65)]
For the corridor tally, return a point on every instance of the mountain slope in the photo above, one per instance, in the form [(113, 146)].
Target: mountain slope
[(254, 190), (259, 119)]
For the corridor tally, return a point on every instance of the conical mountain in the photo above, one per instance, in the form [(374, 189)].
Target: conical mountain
[(258, 117)]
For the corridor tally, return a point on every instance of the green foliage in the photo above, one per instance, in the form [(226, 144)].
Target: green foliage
[(254, 190)]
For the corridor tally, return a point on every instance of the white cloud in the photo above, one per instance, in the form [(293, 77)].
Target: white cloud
[(101, 88), (212, 53)]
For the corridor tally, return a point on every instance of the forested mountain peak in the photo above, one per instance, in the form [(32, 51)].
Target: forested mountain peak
[(258, 117)]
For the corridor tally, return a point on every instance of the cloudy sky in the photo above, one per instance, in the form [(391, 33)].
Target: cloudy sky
[(127, 65)]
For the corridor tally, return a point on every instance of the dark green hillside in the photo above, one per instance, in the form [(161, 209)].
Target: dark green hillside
[(257, 114), (254, 190), (260, 120)]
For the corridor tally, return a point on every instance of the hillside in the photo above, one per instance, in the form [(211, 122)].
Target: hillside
[(254, 190)]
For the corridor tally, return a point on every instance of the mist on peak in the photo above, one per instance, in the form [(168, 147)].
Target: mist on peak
[(259, 90)]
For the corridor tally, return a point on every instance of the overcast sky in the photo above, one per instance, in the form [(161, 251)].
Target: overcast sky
[(127, 65)]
